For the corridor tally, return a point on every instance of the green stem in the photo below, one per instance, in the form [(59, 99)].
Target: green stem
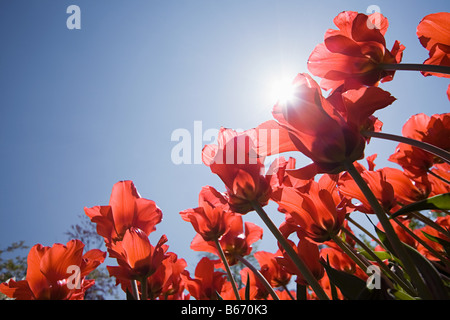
[(301, 292), (382, 265), (438, 176), (227, 268), (392, 237), (144, 288), (288, 292), (423, 243), (441, 153), (300, 264), (260, 277), (431, 223), (134, 288), (369, 234), (350, 253), (415, 67)]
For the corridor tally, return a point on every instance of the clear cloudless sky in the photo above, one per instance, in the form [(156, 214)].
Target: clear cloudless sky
[(83, 109)]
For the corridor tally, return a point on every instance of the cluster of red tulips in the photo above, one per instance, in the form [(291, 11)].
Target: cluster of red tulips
[(317, 248)]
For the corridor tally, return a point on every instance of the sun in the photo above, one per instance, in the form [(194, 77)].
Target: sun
[(282, 90)]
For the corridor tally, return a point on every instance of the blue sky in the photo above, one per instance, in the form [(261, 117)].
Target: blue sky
[(83, 109)]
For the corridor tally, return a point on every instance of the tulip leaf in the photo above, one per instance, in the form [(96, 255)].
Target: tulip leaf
[(401, 295), (429, 274), (351, 286), (442, 242), (247, 288), (384, 240), (426, 269), (439, 202), (382, 255)]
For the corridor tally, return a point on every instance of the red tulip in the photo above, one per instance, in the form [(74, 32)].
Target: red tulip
[(434, 130), (406, 191), (236, 242), (319, 211), (206, 282), (377, 182), (271, 269), (136, 257), (327, 130), (434, 34), (341, 261), (166, 282), (352, 55), (52, 273), (257, 289), (444, 222), (212, 218), (235, 161), (309, 253), (438, 186), (126, 209)]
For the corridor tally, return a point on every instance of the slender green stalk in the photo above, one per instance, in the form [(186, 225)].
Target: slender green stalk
[(134, 288), (227, 268), (415, 67), (392, 237), (350, 253), (300, 264), (301, 292), (260, 277), (381, 264), (438, 176), (288, 292), (431, 223), (144, 289), (369, 234), (423, 243), (441, 153)]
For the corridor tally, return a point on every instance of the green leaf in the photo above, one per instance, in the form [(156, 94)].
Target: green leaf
[(401, 295), (350, 285), (439, 202), (429, 273), (382, 255), (444, 243), (383, 238), (426, 269), (247, 288)]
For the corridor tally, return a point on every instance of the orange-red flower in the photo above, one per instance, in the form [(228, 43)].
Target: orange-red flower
[(271, 269), (434, 130), (444, 222), (166, 283), (438, 186), (126, 209), (212, 218), (236, 162), (309, 253), (52, 273), (327, 130), (236, 242), (257, 289), (377, 182), (319, 211), (206, 282), (405, 190), (136, 257), (352, 55), (434, 34), (341, 261)]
